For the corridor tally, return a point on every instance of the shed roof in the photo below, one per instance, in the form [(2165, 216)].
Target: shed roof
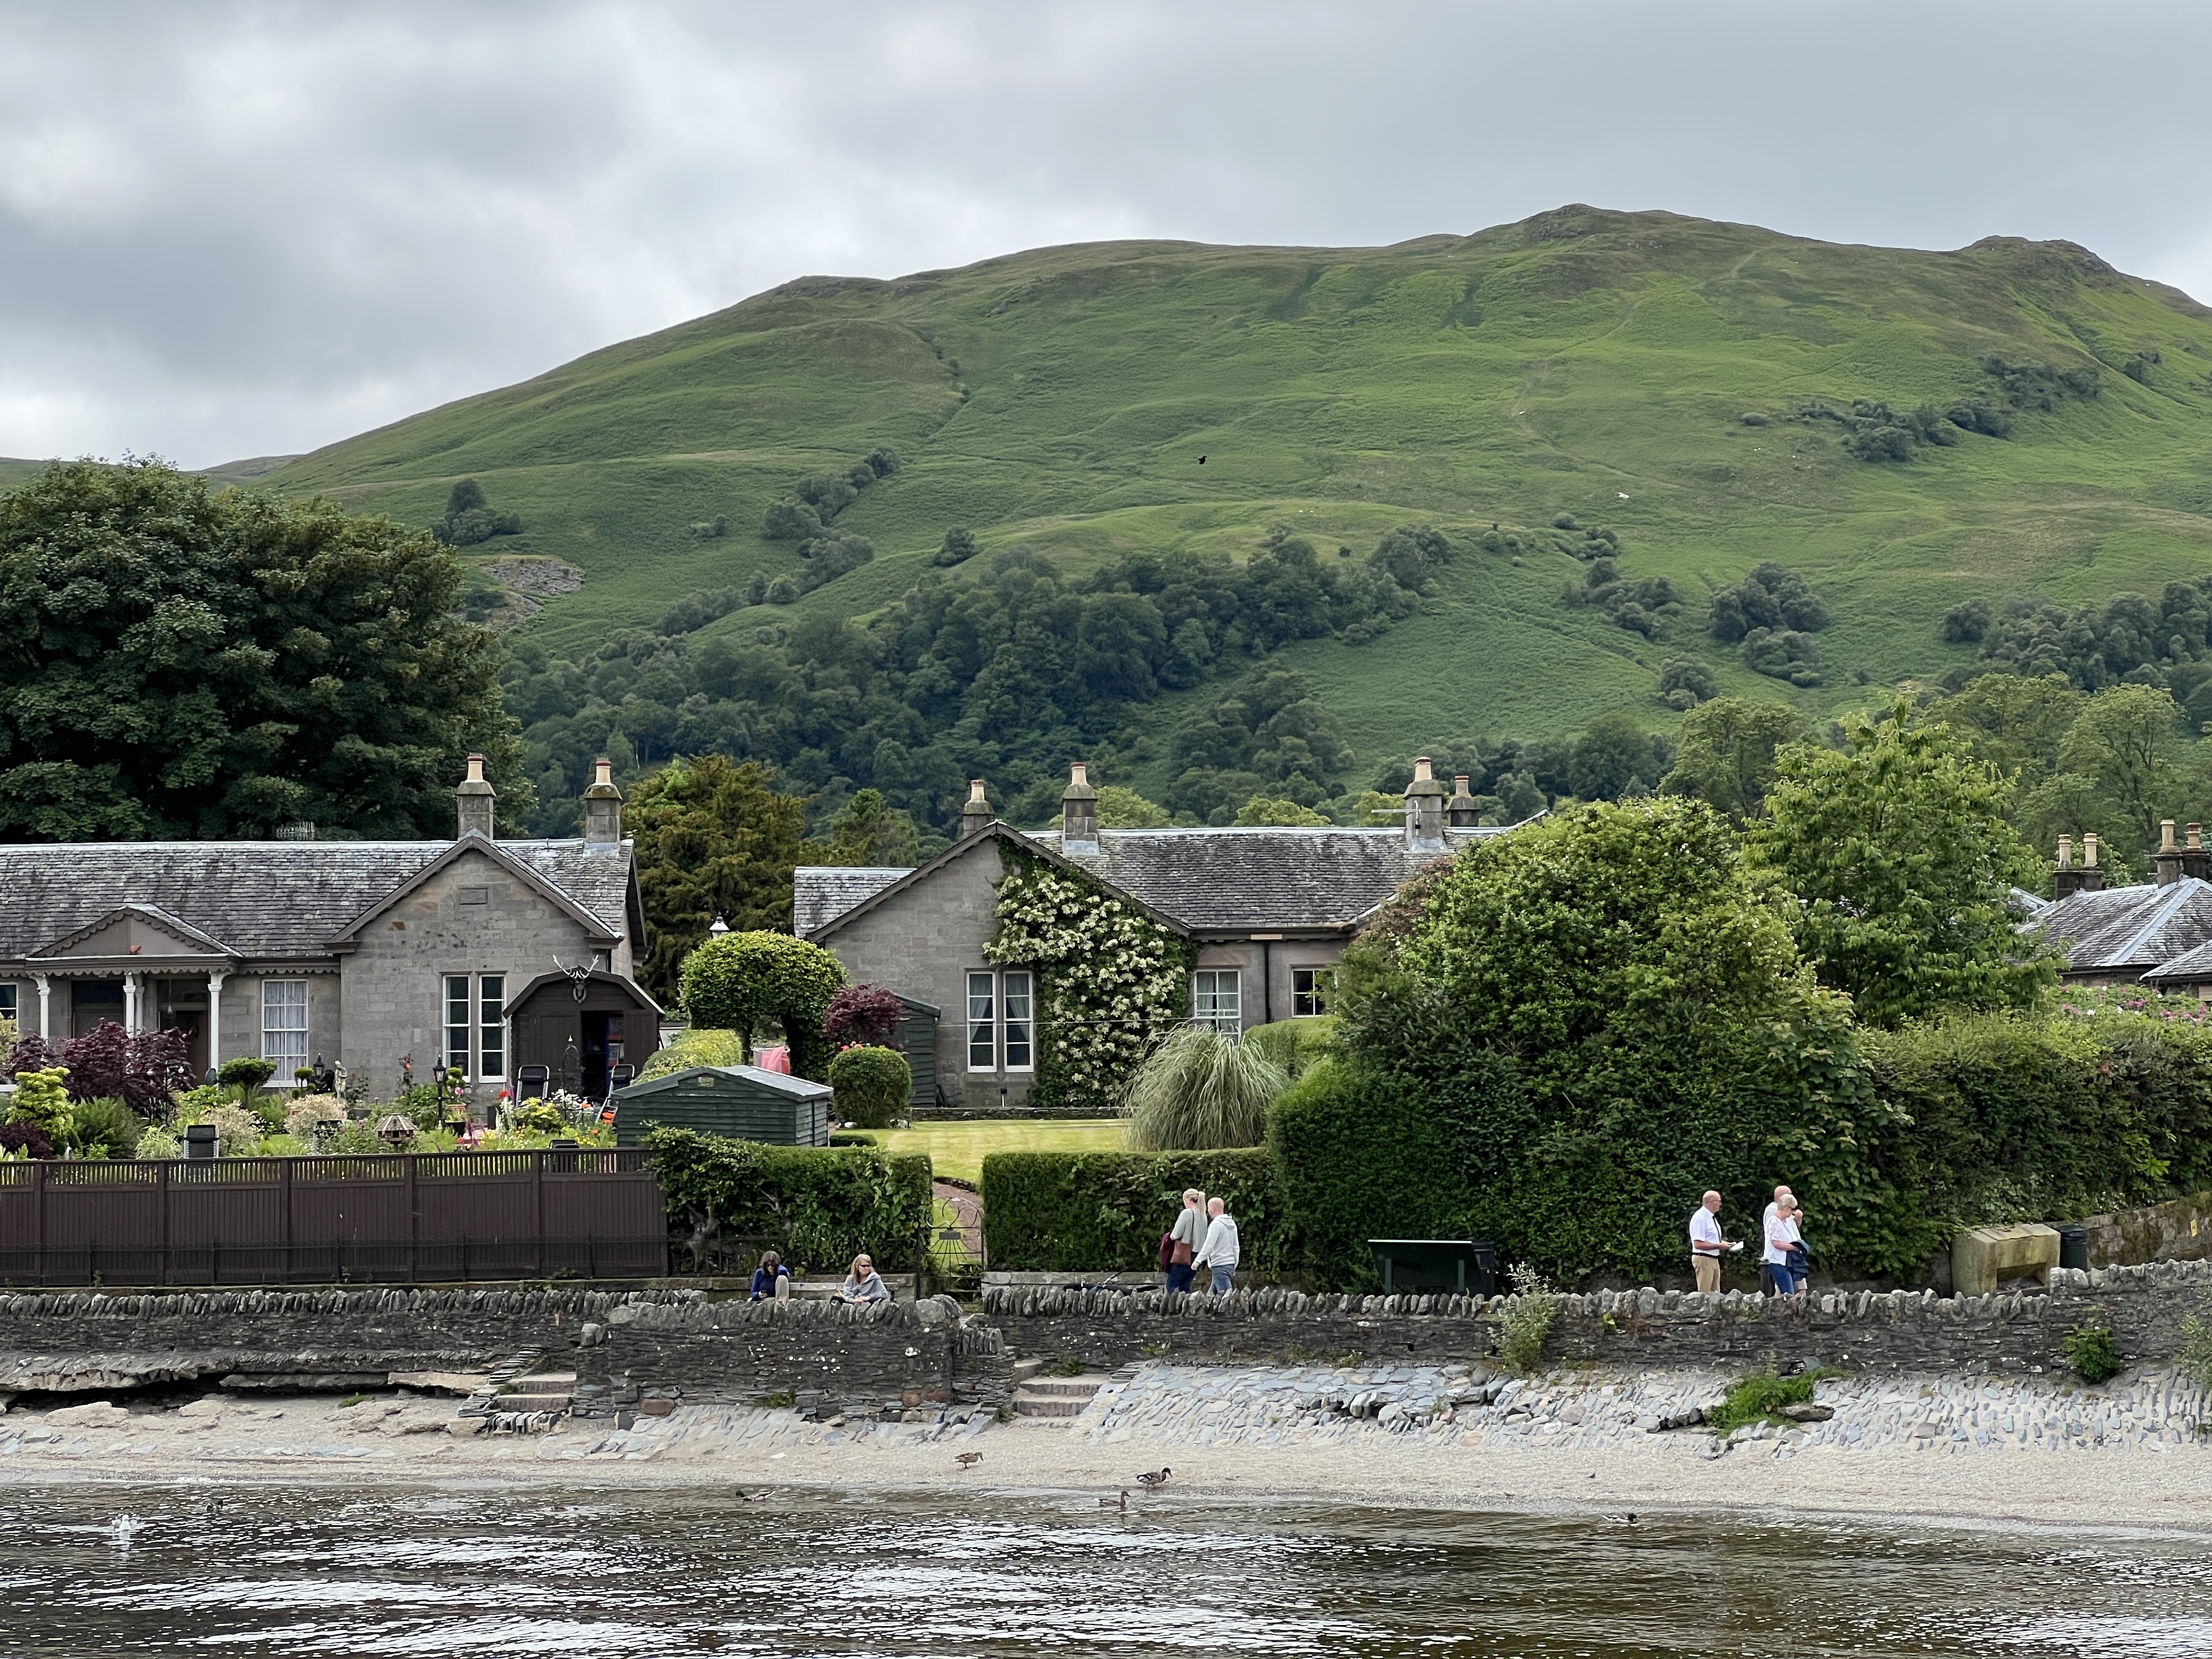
[(264, 898), (782, 1083), (2121, 927)]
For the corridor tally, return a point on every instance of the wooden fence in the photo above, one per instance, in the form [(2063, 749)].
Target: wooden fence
[(392, 1218)]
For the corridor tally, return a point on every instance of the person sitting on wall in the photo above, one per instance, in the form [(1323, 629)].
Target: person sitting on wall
[(863, 1284), (771, 1279)]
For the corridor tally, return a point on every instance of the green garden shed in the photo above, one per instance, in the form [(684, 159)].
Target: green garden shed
[(742, 1101), (918, 1033)]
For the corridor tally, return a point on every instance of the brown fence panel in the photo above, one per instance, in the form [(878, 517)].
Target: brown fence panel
[(383, 1218)]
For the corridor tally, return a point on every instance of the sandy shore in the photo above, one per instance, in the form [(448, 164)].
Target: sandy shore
[(1565, 1445)]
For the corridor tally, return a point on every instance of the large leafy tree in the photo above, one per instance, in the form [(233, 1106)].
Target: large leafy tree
[(1725, 754), (2127, 740), (1900, 860), (1593, 1019), (180, 662), (714, 838)]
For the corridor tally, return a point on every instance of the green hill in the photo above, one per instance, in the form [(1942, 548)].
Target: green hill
[(1686, 385)]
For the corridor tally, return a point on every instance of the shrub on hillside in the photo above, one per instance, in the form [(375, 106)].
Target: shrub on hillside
[(873, 1085), (1104, 1212), (1784, 654), (790, 521), (1684, 683), (818, 1207), (829, 556), (958, 547), (470, 519), (1967, 623), (1770, 596)]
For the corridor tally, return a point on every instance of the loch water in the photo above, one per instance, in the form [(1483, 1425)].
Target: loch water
[(254, 1570)]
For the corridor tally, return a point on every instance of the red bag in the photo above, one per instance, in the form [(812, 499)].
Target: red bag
[(1167, 1251)]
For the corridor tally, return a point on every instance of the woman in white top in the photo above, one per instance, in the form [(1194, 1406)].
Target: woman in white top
[(1781, 1235)]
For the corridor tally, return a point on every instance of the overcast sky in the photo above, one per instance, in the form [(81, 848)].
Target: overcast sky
[(228, 230)]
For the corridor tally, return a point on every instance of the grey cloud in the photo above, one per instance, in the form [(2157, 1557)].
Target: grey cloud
[(235, 230)]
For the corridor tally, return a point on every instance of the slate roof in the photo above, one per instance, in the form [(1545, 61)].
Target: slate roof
[(2190, 967), (1230, 881), (261, 898), (2121, 927), (1260, 880), (821, 892)]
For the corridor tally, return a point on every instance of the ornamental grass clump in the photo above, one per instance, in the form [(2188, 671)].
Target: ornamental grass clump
[(1200, 1089)]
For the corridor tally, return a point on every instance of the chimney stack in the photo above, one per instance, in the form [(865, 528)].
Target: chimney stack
[(2065, 879), (2093, 879), (2167, 859), (2195, 859), (475, 797), (1078, 811), (978, 813), (1461, 811), (1424, 808), (603, 804)]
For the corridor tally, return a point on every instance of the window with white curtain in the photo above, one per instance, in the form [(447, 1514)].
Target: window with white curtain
[(983, 1023), (1216, 999), (1018, 1020), (284, 1025)]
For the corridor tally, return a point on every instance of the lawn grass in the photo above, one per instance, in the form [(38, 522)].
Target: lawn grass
[(1589, 363), (957, 1150)]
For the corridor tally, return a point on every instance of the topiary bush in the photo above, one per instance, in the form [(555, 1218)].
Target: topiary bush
[(741, 980), (1104, 1212), (246, 1071), (865, 1014), (872, 1084)]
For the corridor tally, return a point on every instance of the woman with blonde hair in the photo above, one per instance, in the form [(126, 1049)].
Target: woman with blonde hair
[(863, 1284)]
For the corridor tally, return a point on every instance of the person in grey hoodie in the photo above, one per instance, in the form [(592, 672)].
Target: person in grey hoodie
[(1219, 1251), (1188, 1233)]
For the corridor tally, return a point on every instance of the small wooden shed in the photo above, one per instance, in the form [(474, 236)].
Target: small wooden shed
[(742, 1101), (918, 1035)]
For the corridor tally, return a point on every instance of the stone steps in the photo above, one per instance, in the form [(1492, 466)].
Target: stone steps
[(1054, 1396)]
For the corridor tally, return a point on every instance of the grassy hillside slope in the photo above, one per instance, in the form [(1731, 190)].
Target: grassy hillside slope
[(1090, 399)]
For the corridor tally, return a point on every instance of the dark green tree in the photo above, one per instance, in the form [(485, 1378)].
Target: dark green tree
[(1725, 753), (1898, 855), (714, 838), (870, 833), (741, 982), (181, 663)]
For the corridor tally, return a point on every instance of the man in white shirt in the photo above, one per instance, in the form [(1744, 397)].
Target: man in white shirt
[(1219, 1251), (1707, 1244)]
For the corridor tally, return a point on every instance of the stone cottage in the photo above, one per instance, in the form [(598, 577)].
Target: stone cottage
[(2120, 936), (486, 954), (1271, 912)]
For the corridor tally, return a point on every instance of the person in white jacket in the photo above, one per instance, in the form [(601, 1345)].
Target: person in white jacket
[(1219, 1251)]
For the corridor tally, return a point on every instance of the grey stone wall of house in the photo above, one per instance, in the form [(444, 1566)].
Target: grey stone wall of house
[(240, 1024), (923, 943), (473, 917), (1267, 970)]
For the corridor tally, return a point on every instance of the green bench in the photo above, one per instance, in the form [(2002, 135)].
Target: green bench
[(1467, 1266)]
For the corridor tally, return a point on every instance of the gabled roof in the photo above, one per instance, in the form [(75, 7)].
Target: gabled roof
[(1241, 881), (1229, 881), (153, 915), (266, 899), (2123, 928), (628, 987), (525, 872), (993, 834), (822, 892)]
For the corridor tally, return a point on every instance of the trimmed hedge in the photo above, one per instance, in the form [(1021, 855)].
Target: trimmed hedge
[(817, 1207), (1104, 1212), (695, 1047)]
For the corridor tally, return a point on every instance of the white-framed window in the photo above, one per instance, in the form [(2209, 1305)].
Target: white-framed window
[(8, 1010), (457, 1023), (983, 1023), (284, 1025), (1019, 1021), (1216, 999), (1311, 990), (491, 1028)]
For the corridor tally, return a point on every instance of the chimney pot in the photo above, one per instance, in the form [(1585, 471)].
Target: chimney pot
[(2089, 851), (1424, 808), (2166, 836), (977, 812), (603, 804), (475, 801), (1078, 811), (2066, 852)]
